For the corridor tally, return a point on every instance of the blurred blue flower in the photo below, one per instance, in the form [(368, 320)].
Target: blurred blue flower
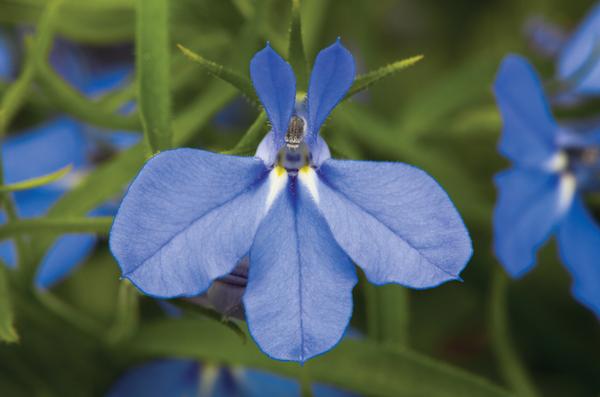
[(51, 146), (301, 217), (7, 66), (188, 378), (579, 59), (553, 165)]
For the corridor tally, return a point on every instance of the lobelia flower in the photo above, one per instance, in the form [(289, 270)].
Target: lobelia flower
[(188, 378), (579, 58), (299, 216), (542, 195), (54, 145)]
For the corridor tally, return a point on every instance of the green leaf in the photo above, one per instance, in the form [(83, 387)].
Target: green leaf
[(364, 81), (7, 329), (15, 96), (296, 54), (36, 182), (153, 76), (512, 368), (99, 225), (361, 366), (241, 83)]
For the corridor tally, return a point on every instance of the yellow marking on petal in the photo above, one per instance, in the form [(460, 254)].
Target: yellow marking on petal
[(279, 170), (306, 169)]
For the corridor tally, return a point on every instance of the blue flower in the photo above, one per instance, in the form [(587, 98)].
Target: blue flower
[(301, 217), (49, 147), (579, 59), (188, 378), (542, 194), (6, 57)]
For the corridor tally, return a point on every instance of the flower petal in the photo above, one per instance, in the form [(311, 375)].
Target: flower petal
[(577, 61), (527, 209), (332, 76), (299, 296), (43, 150), (579, 243), (7, 61), (275, 84), (63, 257), (176, 378), (394, 221), (530, 131), (187, 219)]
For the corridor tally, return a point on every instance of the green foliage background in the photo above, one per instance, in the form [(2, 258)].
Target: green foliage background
[(487, 336)]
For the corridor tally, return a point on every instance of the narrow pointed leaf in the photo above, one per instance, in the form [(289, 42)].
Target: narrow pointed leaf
[(296, 54), (7, 329), (152, 66), (36, 182), (364, 81), (241, 83)]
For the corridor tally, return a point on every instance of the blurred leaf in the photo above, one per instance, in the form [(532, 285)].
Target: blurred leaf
[(511, 367), (241, 83), (468, 82), (360, 366), (15, 96), (92, 21), (75, 104), (388, 314), (153, 76), (36, 182), (99, 225), (363, 82), (7, 329), (296, 55), (127, 314)]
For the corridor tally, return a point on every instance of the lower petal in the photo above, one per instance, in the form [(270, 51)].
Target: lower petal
[(299, 296), (579, 242), (527, 210), (187, 219), (393, 220)]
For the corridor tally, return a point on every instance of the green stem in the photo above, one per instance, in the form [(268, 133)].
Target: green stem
[(512, 369), (153, 57)]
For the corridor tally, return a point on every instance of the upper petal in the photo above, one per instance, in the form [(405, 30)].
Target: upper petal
[(332, 76), (394, 221), (299, 296), (529, 133), (527, 209), (187, 219), (579, 59), (579, 242), (275, 84)]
